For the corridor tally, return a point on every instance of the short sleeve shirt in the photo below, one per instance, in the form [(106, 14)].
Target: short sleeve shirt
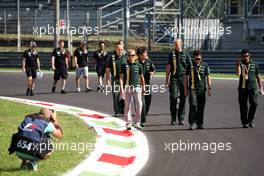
[(49, 128), (100, 57), (31, 57), (147, 67), (114, 62), (179, 61), (197, 76), (252, 70), (132, 73), (82, 57), (60, 57)]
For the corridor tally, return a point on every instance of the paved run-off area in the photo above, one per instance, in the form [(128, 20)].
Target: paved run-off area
[(221, 121)]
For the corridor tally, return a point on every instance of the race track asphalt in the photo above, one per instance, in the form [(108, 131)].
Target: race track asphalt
[(244, 157)]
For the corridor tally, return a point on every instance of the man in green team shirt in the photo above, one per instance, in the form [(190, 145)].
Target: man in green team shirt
[(249, 78), (113, 65), (178, 61), (197, 74), (148, 72), (132, 86)]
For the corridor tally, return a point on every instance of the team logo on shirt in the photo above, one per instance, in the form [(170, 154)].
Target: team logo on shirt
[(30, 127), (148, 67), (85, 51)]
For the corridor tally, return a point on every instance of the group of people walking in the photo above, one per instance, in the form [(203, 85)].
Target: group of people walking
[(129, 74)]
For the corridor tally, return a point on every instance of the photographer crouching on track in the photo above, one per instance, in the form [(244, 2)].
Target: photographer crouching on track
[(32, 141)]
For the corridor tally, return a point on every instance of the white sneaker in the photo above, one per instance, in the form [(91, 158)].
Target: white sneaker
[(78, 89), (138, 126), (34, 165), (128, 126)]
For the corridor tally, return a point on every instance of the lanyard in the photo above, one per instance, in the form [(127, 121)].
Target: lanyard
[(198, 72), (174, 63), (192, 74), (114, 65), (245, 72), (192, 68), (127, 74)]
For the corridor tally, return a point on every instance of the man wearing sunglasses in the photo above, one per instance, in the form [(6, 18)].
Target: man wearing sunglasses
[(178, 61), (196, 77), (148, 72), (249, 79), (133, 86)]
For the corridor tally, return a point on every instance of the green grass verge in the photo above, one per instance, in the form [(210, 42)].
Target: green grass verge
[(75, 131)]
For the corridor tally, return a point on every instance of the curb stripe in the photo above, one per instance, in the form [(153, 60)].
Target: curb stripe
[(44, 104), (121, 144), (117, 160), (96, 116), (124, 133), (106, 124), (93, 174), (74, 110)]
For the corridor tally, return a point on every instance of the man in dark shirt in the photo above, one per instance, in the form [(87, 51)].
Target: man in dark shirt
[(249, 83), (178, 61), (113, 66), (30, 65), (59, 63), (197, 75), (148, 72), (81, 65), (100, 56)]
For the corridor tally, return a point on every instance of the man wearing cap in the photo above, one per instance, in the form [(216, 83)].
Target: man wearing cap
[(59, 63), (30, 65), (249, 83), (81, 65), (197, 75), (178, 61), (100, 56), (148, 72), (113, 66)]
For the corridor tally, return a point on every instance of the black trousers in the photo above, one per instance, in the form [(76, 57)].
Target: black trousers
[(146, 101), (197, 104), (244, 96), (177, 87), (118, 103)]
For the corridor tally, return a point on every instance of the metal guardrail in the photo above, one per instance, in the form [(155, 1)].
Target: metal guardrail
[(219, 62)]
